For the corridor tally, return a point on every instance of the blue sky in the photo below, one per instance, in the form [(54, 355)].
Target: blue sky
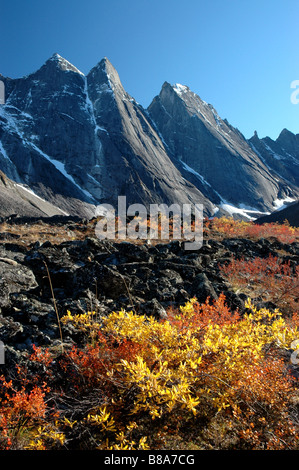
[(239, 55)]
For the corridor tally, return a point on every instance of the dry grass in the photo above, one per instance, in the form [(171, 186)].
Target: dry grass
[(41, 231), (27, 234)]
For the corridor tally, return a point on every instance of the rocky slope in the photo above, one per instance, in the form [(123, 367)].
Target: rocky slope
[(79, 140), (74, 137), (92, 275), (19, 200), (222, 162), (281, 155)]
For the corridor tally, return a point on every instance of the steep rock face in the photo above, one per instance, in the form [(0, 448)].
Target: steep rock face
[(217, 154), (134, 158), (44, 129), (16, 198), (81, 138), (281, 155), (77, 141)]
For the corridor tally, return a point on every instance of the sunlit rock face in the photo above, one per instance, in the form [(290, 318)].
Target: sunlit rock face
[(75, 141)]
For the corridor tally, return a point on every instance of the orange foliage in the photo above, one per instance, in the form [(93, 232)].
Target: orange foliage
[(19, 409), (230, 228), (205, 376), (87, 367), (217, 313)]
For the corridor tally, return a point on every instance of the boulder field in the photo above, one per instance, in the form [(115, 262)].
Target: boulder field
[(42, 280)]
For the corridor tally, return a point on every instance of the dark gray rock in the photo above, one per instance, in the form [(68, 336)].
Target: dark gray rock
[(101, 276), (281, 155), (78, 140), (14, 277), (215, 156), (202, 288), (153, 308)]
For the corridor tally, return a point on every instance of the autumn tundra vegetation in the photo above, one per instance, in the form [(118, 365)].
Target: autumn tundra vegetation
[(205, 377)]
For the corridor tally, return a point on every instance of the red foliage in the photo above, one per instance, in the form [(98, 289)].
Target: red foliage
[(218, 313), (269, 278), (19, 409), (88, 367), (228, 227)]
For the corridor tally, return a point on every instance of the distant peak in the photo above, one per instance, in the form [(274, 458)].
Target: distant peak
[(106, 61), (286, 137), (285, 132), (105, 72), (63, 64), (177, 88), (106, 66), (55, 56)]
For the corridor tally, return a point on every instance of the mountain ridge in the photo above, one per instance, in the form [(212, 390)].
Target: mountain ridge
[(75, 137)]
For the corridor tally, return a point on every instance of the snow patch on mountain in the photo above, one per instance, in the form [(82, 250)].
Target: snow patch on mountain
[(280, 204), (65, 64), (180, 89), (188, 168), (244, 211), (3, 151), (61, 168), (11, 125)]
